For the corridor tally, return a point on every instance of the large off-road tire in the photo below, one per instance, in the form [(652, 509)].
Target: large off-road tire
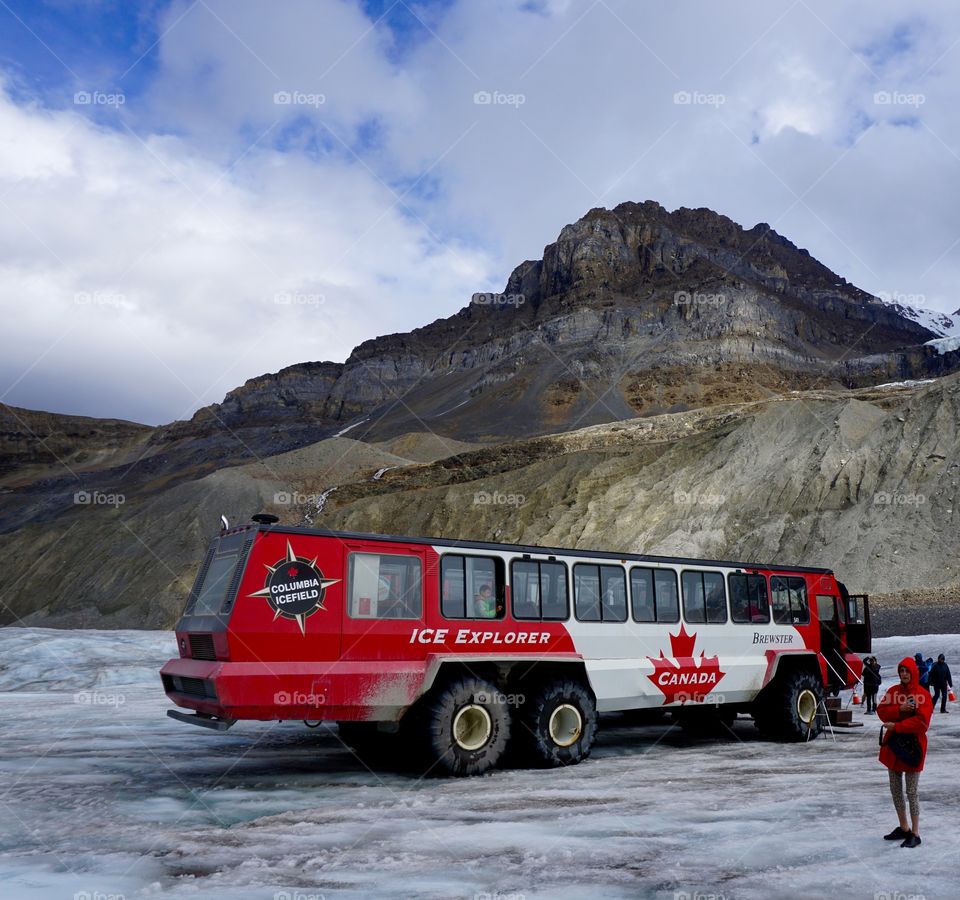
[(465, 727), (556, 726), (788, 709)]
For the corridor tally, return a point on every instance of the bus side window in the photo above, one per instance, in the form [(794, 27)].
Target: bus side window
[(716, 598), (525, 589), (694, 607), (781, 600), (759, 604), (471, 587), (614, 598), (667, 595), (748, 599), (641, 590), (654, 593), (799, 605), (384, 586), (553, 588), (586, 592)]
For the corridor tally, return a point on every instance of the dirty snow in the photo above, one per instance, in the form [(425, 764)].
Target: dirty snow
[(101, 794)]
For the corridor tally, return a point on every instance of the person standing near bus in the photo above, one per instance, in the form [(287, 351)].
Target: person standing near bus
[(941, 682), (905, 711), (871, 684)]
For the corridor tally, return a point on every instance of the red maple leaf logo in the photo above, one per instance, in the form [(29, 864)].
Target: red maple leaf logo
[(292, 571), (687, 679)]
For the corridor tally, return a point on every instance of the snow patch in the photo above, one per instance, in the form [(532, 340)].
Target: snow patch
[(343, 431), (944, 344)]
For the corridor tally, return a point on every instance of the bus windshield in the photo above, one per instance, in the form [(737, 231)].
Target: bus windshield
[(213, 591)]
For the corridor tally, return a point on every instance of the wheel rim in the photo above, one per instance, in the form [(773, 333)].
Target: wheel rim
[(566, 725), (472, 727), (807, 704)]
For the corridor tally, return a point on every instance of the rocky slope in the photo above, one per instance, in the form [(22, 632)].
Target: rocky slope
[(863, 481)]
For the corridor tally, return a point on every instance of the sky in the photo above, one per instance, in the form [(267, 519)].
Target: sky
[(196, 192)]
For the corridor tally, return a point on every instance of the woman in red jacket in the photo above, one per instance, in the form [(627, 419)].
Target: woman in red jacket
[(905, 711)]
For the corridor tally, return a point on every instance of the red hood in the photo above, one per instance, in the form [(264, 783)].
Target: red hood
[(910, 664)]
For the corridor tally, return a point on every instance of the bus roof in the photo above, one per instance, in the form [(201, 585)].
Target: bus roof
[(532, 550)]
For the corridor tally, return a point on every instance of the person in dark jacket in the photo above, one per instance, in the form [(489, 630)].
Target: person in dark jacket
[(941, 682), (871, 684), (922, 671), (905, 711)]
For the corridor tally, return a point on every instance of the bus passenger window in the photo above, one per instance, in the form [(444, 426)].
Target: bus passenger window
[(748, 599), (790, 604), (586, 593), (716, 598), (525, 589), (553, 589), (384, 586), (667, 596), (471, 587), (641, 590), (599, 593), (694, 608)]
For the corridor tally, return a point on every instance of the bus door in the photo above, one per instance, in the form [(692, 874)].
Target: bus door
[(858, 631), (831, 619), (383, 599)]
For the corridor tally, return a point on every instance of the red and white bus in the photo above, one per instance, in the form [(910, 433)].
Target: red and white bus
[(469, 650)]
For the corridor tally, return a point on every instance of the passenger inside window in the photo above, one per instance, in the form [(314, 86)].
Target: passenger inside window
[(484, 604)]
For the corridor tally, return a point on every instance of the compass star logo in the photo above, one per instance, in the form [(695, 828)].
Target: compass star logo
[(687, 678), (294, 588)]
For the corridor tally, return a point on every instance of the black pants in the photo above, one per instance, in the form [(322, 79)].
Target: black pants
[(940, 693), (870, 699)]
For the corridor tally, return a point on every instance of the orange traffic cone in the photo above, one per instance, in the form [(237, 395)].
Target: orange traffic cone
[(856, 696)]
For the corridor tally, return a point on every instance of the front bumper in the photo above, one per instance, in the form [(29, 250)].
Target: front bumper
[(330, 691)]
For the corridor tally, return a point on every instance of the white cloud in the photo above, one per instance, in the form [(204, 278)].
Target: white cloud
[(140, 280)]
